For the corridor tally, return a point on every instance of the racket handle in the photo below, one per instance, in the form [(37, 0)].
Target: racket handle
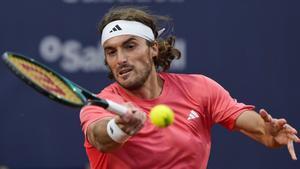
[(116, 108)]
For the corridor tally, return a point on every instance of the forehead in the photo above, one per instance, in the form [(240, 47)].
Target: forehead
[(119, 40)]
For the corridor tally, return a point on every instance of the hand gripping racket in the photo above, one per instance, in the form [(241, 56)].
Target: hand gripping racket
[(54, 85)]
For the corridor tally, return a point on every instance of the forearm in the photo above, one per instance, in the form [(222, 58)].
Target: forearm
[(251, 124), (99, 138), (110, 133)]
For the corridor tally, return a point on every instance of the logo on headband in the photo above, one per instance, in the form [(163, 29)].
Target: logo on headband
[(115, 28)]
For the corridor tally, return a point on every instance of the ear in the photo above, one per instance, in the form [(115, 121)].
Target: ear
[(154, 50)]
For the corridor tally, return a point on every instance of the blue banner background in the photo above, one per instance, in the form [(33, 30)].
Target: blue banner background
[(250, 47)]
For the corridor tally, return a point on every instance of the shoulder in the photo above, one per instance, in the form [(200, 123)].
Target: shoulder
[(188, 79), (194, 86), (109, 91)]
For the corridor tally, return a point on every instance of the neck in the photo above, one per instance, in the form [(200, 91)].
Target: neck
[(151, 89)]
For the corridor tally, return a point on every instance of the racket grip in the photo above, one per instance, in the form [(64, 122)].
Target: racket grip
[(116, 108)]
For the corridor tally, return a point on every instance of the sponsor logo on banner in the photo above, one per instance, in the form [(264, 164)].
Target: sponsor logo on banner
[(72, 56)]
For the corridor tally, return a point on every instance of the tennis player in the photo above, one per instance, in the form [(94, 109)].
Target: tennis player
[(137, 60)]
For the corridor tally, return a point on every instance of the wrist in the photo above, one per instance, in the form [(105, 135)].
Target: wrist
[(116, 133)]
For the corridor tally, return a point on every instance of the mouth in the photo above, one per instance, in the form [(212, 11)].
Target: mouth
[(125, 71)]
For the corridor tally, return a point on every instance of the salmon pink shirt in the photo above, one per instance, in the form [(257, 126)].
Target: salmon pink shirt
[(198, 103)]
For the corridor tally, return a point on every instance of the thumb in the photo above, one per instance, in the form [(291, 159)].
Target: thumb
[(265, 115), (123, 119)]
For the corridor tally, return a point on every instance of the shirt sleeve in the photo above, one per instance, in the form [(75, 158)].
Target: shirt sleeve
[(223, 108), (90, 114)]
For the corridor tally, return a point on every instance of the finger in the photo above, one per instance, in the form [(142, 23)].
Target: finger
[(264, 114), (136, 124), (290, 129), (278, 123), (293, 137), (128, 117), (134, 129), (128, 129), (281, 122), (131, 111), (291, 150), (141, 116)]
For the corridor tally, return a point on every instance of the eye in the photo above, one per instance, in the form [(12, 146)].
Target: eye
[(110, 52), (130, 45)]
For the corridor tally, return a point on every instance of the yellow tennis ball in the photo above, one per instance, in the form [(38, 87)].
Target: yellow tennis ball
[(161, 115)]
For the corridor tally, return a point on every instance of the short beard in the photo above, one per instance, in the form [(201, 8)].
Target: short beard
[(140, 81)]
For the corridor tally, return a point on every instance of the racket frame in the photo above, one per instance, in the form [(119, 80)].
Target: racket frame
[(82, 94), (85, 96)]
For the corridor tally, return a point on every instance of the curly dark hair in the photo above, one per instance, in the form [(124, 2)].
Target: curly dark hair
[(167, 51)]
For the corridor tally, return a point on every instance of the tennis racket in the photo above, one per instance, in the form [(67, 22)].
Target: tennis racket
[(54, 85)]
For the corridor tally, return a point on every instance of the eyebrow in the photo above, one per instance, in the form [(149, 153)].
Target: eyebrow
[(123, 43), (128, 40)]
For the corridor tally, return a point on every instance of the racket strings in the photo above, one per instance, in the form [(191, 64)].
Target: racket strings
[(45, 80)]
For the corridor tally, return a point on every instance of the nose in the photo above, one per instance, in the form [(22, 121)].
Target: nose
[(122, 57)]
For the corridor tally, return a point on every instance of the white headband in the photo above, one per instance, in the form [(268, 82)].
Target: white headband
[(124, 27)]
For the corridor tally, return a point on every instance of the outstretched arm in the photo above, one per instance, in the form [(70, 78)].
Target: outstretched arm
[(130, 123), (269, 131)]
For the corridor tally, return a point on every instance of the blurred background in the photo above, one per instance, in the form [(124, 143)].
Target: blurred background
[(250, 47)]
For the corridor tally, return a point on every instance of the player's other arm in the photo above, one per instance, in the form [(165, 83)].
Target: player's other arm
[(267, 130), (129, 124)]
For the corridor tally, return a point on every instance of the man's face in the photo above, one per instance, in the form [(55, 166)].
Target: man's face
[(130, 60)]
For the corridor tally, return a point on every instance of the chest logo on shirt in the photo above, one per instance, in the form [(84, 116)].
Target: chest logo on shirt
[(193, 115)]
